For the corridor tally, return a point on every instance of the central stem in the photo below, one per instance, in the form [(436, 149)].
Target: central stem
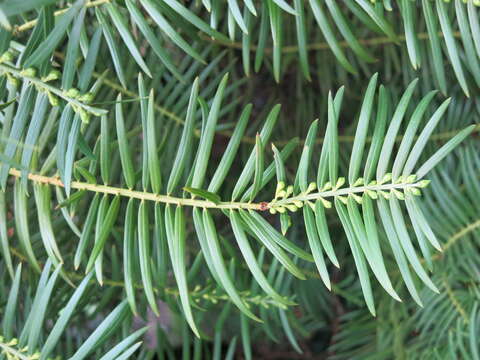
[(167, 199)]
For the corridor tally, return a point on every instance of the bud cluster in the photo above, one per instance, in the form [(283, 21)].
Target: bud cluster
[(285, 199)]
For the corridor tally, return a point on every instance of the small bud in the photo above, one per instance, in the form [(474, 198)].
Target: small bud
[(86, 98), (400, 180), (411, 179), (343, 199), (53, 99), (52, 75), (289, 190), (13, 80), (326, 204), (423, 183), (311, 187), (399, 195), (357, 198), (298, 203), (312, 205), (72, 93), (358, 182), (340, 182), (291, 207), (282, 194), (29, 72), (84, 116), (386, 178), (384, 194), (272, 211), (280, 187), (7, 56), (372, 183), (280, 209), (372, 194), (327, 186), (415, 191)]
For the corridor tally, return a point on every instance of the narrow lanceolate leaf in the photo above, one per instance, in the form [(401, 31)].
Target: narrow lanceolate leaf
[(72, 51), (11, 306), (43, 201), (421, 142), (152, 150), (152, 39), (22, 223), (112, 46), (176, 237), (46, 48), (444, 151), (65, 315), (206, 140), (362, 130), (332, 141), (408, 137), (323, 232), (323, 163), (269, 230), (7, 257), (358, 256), (71, 151), (19, 121), (125, 347), (231, 151), (207, 195), (99, 336), (368, 239), (125, 153), (275, 16), (250, 259), (87, 231), (105, 229), (301, 179), (392, 131), (407, 9), (237, 15), (382, 23), (194, 20), (378, 135), (163, 24), (219, 264), (105, 159), (271, 245), (283, 4), (328, 33), (435, 45), (406, 243), (122, 27), (186, 140), (451, 45), (88, 66), (472, 58), (249, 168), (343, 26), (259, 165), (302, 37), (315, 246), (39, 310), (474, 22), (416, 215), (145, 256), (269, 172), (129, 254)]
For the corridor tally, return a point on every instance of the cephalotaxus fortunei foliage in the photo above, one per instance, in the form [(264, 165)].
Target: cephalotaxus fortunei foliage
[(239, 179)]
